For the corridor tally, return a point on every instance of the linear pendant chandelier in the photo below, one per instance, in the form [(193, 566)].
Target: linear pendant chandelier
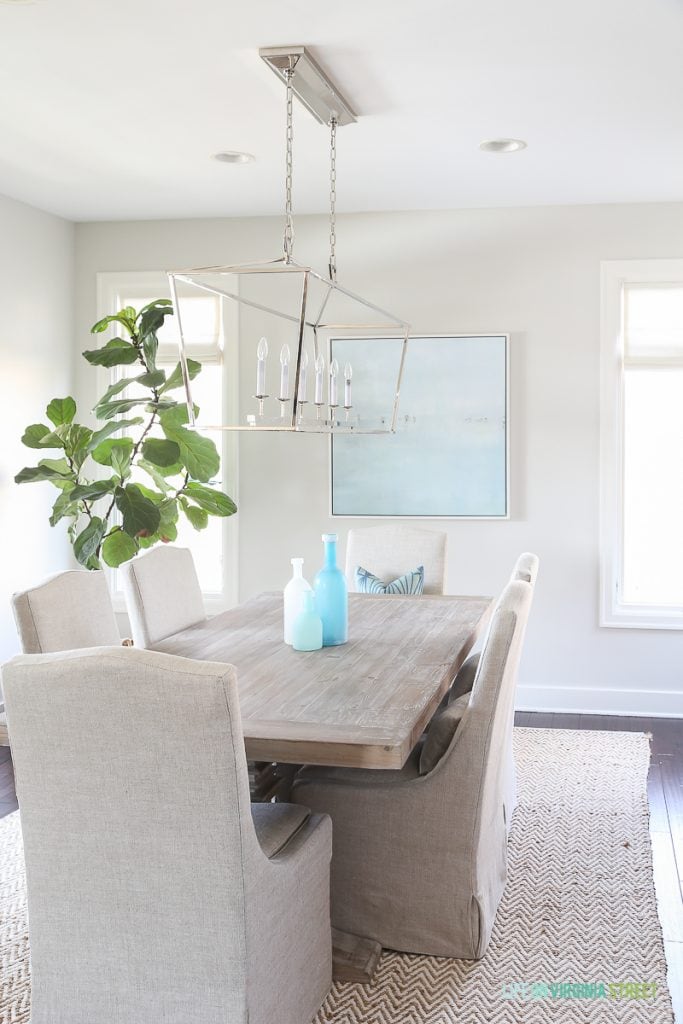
[(336, 359)]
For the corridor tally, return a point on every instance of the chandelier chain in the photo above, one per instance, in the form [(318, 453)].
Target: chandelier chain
[(333, 199), (289, 220)]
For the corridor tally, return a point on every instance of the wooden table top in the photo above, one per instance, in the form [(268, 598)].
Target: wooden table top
[(363, 704)]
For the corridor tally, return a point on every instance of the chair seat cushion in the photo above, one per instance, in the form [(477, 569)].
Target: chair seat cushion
[(275, 825), (464, 681), (442, 729), (410, 583)]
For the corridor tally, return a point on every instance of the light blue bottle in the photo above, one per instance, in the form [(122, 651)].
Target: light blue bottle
[(331, 596), (307, 629)]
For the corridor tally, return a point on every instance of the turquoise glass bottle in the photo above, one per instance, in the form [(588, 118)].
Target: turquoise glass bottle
[(307, 629), (331, 596)]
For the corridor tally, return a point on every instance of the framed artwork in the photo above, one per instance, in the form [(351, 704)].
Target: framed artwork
[(449, 457)]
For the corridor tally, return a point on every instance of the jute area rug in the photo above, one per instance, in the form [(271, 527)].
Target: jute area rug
[(576, 940)]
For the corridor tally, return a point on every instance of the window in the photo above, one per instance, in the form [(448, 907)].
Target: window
[(641, 444), (215, 548)]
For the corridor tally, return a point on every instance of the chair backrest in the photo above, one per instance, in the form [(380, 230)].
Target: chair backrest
[(133, 791), (162, 594), (391, 551), (526, 568), (68, 611)]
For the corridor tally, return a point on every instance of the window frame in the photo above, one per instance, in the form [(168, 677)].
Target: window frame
[(112, 289), (615, 275)]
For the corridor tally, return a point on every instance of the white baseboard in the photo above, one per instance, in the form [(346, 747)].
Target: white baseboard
[(582, 700)]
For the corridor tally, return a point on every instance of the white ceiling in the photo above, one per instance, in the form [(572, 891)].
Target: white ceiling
[(111, 109)]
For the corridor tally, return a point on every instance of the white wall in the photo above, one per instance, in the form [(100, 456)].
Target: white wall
[(532, 272), (36, 365)]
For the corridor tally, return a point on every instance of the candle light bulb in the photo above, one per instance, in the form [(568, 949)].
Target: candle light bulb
[(348, 374), (319, 373), (261, 352), (303, 373), (285, 356), (334, 370)]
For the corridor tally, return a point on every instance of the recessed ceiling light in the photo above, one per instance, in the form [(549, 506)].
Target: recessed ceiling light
[(234, 158), (502, 145)]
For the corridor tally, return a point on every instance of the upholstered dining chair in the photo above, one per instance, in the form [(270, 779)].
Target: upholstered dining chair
[(162, 593), (526, 568), (419, 855), (391, 551), (155, 891), (69, 610)]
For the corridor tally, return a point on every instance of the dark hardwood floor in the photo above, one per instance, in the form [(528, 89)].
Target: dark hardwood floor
[(666, 816)]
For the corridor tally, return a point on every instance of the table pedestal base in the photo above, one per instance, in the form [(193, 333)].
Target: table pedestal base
[(354, 958)]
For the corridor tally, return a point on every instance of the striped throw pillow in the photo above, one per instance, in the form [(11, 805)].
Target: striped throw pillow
[(411, 583)]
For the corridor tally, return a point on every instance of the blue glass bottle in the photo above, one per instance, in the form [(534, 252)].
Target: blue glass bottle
[(331, 596)]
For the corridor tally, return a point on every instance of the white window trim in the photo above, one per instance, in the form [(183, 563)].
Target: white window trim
[(110, 287), (614, 275)]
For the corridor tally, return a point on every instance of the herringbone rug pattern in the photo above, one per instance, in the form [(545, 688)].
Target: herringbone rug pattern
[(579, 907)]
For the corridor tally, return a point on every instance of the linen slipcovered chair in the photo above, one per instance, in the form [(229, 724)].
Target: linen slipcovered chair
[(162, 594), (69, 610), (156, 893), (419, 861), (526, 568), (391, 551)]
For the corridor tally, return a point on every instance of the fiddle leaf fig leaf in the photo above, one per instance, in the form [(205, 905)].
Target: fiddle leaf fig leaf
[(107, 410), (140, 515), (152, 380), (160, 452), (176, 378), (198, 454), (62, 508), (216, 503), (125, 317), (111, 428), (104, 451), (93, 491), (161, 481), (196, 516), (118, 547), (32, 474), (34, 434), (88, 540), (61, 410), (116, 352)]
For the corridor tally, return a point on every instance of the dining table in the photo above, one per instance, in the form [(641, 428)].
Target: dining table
[(362, 704)]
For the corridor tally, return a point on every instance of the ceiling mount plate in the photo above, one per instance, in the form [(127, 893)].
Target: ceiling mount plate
[(310, 83)]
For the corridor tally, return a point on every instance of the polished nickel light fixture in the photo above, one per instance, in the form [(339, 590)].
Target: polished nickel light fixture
[(341, 357)]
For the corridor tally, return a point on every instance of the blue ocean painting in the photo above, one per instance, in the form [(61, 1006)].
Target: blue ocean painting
[(448, 456)]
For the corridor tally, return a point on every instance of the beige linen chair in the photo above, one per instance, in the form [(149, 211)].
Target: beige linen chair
[(526, 568), (69, 610), (391, 551), (153, 894), (162, 594), (419, 861)]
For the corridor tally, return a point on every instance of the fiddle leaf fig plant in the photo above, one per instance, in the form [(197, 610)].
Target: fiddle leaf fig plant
[(123, 486)]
